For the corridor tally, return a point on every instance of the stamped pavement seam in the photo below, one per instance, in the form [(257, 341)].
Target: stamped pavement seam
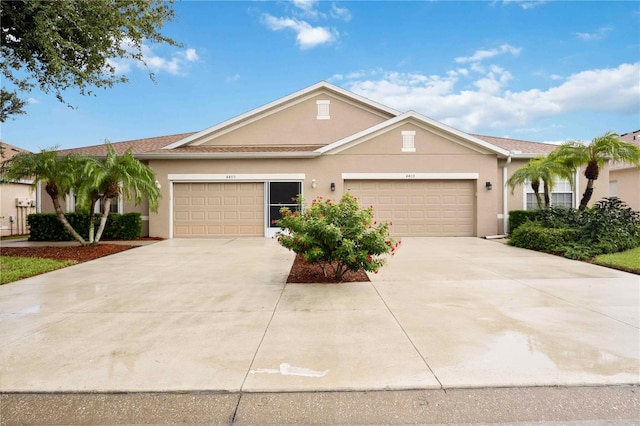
[(255, 354), (408, 337)]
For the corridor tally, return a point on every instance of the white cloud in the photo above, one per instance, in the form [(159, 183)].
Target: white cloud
[(232, 78), (32, 101), (176, 64), (480, 55), (524, 4), (191, 55), (307, 36), (307, 7), (340, 12), (598, 35), (487, 102)]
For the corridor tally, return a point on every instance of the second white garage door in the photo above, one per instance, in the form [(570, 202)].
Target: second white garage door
[(420, 208), (214, 209)]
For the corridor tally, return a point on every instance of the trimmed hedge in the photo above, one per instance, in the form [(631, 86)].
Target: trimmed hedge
[(535, 236), (518, 217), (47, 227)]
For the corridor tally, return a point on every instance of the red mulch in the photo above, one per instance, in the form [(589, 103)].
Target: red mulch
[(304, 273), (77, 253)]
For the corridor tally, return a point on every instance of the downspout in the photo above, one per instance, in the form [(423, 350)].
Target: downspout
[(39, 198), (505, 211), (576, 194)]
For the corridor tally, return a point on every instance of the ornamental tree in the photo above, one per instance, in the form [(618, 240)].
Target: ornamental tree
[(338, 236), (58, 45)]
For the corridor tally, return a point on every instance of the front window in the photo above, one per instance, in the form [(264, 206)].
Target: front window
[(561, 195), (282, 194)]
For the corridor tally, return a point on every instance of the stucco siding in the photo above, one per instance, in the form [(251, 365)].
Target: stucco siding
[(298, 125), (8, 194), (628, 186), (329, 169)]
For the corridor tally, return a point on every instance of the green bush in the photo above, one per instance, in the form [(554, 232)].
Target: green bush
[(338, 236), (535, 236), (561, 217), (47, 226), (127, 226), (609, 227), (518, 217)]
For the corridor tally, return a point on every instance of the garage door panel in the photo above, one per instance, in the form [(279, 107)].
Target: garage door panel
[(420, 208), (218, 209)]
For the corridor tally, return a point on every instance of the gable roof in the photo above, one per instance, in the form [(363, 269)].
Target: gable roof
[(189, 145), (7, 151), (280, 104), (417, 118), (138, 146), (519, 148)]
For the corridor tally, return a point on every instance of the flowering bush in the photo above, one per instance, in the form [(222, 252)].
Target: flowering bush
[(339, 236)]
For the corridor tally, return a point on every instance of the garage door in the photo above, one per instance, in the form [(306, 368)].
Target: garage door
[(420, 208), (218, 209)]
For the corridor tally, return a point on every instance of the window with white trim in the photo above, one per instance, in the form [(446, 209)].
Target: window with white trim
[(408, 141), (561, 195), (323, 109)]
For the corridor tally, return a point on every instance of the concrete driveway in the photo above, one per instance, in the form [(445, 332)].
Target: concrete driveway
[(215, 315), (206, 332)]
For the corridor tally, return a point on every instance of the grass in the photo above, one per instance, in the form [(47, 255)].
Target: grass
[(17, 268), (14, 237), (625, 260)]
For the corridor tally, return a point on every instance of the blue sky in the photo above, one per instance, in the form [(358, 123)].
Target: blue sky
[(533, 70)]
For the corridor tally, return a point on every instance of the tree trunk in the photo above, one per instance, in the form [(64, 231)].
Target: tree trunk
[(535, 185), (586, 197), (106, 205), (92, 219), (547, 195), (65, 222)]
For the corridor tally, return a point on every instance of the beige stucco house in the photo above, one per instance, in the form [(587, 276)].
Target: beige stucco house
[(425, 177), (624, 179), (17, 198)]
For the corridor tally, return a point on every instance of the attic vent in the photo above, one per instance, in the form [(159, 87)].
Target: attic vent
[(323, 110), (408, 141)]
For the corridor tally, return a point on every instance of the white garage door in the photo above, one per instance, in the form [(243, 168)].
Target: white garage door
[(427, 208), (218, 209)]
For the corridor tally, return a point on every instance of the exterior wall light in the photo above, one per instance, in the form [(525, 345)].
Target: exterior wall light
[(488, 186), (314, 183), (158, 184), (333, 186)]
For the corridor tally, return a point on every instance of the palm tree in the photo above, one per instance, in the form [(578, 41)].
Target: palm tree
[(59, 174), (540, 170), (107, 178), (603, 148)]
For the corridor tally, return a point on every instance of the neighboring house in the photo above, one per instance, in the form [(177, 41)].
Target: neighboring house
[(624, 179), (17, 199), (425, 177)]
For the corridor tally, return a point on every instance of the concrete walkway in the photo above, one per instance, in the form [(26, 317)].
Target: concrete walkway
[(211, 316)]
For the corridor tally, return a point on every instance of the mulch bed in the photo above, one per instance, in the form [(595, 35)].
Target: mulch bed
[(302, 273), (77, 253)]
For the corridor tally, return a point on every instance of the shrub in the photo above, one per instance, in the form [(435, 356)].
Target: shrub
[(338, 236), (518, 217), (561, 217), (535, 236), (127, 226), (47, 226), (611, 225)]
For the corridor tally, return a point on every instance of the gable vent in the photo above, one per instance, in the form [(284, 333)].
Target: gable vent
[(408, 141), (323, 109)]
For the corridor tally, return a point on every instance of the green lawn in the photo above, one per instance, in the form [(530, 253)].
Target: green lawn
[(625, 260), (17, 268)]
